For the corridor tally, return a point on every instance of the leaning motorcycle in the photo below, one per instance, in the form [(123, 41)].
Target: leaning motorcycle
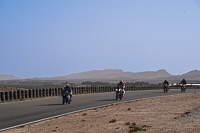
[(66, 98), (165, 87), (119, 94), (183, 88)]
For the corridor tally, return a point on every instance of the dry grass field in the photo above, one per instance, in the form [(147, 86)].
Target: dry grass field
[(5, 88)]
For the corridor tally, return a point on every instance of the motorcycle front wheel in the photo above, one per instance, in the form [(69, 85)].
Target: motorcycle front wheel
[(69, 101), (121, 95)]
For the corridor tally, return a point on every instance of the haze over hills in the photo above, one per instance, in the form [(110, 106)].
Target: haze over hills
[(114, 75), (8, 77)]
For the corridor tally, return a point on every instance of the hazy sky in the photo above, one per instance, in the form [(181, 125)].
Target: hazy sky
[(45, 38)]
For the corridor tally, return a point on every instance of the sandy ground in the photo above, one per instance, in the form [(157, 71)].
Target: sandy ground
[(4, 89), (172, 114)]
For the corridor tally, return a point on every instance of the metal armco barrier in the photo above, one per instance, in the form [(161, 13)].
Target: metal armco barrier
[(43, 92)]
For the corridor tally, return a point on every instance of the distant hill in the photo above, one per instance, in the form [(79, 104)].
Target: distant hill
[(8, 77), (194, 72), (191, 77), (114, 75)]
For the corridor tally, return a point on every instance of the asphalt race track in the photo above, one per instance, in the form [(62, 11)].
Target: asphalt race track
[(13, 114)]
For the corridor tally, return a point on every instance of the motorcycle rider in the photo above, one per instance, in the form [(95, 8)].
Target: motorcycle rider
[(183, 82), (166, 83), (69, 89), (121, 85)]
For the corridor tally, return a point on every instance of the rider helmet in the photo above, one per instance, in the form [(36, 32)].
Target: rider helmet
[(67, 85), (121, 81)]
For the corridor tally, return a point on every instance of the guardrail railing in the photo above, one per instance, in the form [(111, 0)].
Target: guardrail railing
[(37, 93)]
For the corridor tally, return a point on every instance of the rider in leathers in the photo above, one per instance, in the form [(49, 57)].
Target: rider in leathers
[(69, 89), (183, 82), (167, 83), (121, 85)]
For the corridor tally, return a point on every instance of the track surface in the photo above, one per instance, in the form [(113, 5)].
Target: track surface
[(16, 113)]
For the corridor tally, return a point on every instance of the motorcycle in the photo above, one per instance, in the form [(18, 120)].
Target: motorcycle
[(119, 94), (165, 87), (183, 88), (66, 98)]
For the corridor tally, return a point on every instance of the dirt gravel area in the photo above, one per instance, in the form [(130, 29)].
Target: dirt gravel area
[(171, 114), (5, 89)]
